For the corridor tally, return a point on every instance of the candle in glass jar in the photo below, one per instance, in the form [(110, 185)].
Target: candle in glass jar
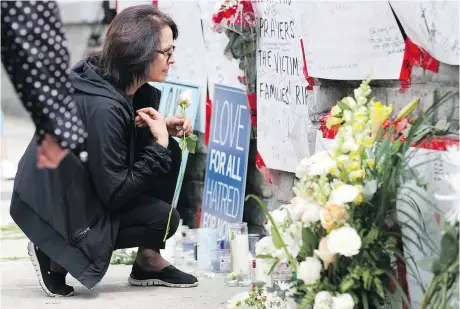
[(239, 252)]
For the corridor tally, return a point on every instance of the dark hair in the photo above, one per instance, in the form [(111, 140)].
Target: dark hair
[(130, 44)]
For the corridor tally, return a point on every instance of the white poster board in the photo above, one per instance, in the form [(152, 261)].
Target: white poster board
[(282, 110), (351, 40), (432, 25), (190, 53)]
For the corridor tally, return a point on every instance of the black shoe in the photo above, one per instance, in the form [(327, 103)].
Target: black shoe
[(53, 283), (169, 276)]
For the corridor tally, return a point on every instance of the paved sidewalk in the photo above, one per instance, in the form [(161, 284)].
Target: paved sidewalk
[(20, 290), (19, 284)]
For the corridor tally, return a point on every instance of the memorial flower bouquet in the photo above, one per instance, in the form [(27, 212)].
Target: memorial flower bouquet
[(340, 235), (237, 19)]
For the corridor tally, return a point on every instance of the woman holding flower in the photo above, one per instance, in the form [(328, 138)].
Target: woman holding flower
[(77, 214)]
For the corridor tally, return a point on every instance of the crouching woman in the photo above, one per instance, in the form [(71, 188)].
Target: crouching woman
[(77, 214)]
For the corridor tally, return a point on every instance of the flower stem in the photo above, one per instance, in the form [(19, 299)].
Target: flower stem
[(181, 178)]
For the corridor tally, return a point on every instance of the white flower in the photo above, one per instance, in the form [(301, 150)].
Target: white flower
[(343, 195), (292, 237), (349, 144), (298, 207), (237, 299), (344, 301), (185, 98), (311, 214), (309, 271), (323, 300), (265, 246), (344, 241), (320, 163), (301, 168), (281, 216)]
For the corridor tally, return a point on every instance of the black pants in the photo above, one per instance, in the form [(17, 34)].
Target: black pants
[(144, 223)]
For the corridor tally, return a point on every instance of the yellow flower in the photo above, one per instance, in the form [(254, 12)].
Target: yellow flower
[(355, 175), (324, 254), (368, 142), (370, 163), (332, 216), (359, 199), (354, 166), (357, 126), (333, 120), (379, 113)]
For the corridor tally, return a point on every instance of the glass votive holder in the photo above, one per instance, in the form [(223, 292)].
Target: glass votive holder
[(221, 261)]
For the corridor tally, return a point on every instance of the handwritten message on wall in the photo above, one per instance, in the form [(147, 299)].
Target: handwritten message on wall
[(226, 166), (350, 40), (282, 111), (432, 25)]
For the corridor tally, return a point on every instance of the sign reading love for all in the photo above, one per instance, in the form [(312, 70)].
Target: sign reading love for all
[(227, 161)]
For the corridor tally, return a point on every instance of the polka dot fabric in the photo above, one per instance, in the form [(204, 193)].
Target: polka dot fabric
[(35, 56)]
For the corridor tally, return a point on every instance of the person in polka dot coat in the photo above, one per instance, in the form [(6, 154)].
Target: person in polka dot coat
[(35, 56), (77, 214)]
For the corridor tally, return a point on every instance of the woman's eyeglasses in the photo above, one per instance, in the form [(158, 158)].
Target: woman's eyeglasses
[(167, 53)]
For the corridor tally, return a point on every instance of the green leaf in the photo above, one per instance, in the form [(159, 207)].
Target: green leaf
[(372, 236), (264, 256), (193, 137), (250, 48), (364, 300), (449, 247), (277, 241), (343, 106), (310, 242), (191, 145)]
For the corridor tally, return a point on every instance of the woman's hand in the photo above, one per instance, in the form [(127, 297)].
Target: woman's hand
[(177, 126), (156, 123), (49, 153)]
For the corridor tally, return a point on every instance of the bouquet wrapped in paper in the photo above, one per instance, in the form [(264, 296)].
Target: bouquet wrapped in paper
[(237, 19)]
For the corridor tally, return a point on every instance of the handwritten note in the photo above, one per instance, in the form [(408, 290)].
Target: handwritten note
[(282, 95), (432, 25), (351, 40)]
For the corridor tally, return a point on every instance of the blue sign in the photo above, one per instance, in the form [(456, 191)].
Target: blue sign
[(170, 92), (227, 161)]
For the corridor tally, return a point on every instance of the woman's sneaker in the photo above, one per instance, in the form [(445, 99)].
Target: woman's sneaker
[(53, 283), (169, 276)]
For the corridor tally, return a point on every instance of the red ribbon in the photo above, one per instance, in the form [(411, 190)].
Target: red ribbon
[(309, 79), (208, 118), (252, 101), (415, 55), (263, 169), (155, 3)]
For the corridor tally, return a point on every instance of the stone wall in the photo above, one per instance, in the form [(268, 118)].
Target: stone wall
[(323, 97)]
